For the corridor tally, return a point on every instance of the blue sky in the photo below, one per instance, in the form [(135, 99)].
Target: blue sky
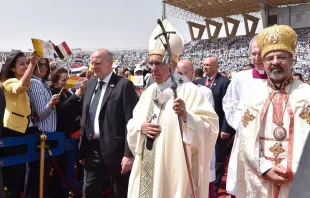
[(83, 24)]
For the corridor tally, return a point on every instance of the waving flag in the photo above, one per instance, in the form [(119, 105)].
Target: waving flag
[(55, 54), (136, 80), (74, 82), (63, 50), (44, 49)]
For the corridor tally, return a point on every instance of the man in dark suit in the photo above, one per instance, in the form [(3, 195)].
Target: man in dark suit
[(218, 86), (108, 104)]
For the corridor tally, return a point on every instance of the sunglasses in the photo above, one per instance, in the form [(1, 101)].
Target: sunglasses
[(40, 65)]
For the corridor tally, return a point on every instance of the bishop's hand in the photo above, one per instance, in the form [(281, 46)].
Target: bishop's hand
[(150, 130), (180, 108), (277, 175)]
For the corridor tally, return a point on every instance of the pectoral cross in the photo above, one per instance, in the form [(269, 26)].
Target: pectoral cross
[(277, 149)]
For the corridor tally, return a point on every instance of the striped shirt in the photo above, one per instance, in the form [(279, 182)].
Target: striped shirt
[(44, 115)]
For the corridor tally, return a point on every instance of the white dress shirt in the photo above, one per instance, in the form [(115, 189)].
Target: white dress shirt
[(210, 78), (106, 81)]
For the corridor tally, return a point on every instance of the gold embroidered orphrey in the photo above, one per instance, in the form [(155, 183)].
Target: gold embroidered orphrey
[(148, 158), (306, 114), (247, 117)]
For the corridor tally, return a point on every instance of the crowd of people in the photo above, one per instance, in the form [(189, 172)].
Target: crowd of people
[(155, 145), (232, 54)]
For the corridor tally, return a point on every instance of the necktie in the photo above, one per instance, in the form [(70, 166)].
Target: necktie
[(92, 111), (209, 82)]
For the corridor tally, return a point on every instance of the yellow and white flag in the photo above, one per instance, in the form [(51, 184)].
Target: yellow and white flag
[(136, 80), (74, 82), (44, 49)]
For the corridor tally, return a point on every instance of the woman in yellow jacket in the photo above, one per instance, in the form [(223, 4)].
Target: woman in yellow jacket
[(15, 79)]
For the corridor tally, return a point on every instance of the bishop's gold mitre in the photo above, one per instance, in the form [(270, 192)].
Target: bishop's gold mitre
[(175, 40), (277, 37)]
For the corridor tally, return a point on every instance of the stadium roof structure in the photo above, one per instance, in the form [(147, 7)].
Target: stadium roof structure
[(221, 8)]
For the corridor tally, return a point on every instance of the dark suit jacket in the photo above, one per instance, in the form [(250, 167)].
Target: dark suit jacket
[(219, 88), (117, 106), (68, 109)]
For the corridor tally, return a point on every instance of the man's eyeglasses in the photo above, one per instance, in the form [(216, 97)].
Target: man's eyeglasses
[(280, 58), (156, 63), (43, 64)]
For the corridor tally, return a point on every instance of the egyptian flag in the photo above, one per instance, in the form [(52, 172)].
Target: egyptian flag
[(63, 50), (79, 59), (77, 68), (55, 54)]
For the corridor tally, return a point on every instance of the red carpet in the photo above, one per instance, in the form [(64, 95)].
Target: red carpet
[(222, 191)]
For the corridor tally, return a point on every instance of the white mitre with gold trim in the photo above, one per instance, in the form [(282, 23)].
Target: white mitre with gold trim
[(175, 40)]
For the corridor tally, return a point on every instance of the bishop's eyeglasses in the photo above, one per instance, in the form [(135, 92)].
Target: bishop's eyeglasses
[(280, 58)]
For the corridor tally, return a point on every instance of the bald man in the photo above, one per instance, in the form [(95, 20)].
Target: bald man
[(108, 104), (218, 86), (186, 68)]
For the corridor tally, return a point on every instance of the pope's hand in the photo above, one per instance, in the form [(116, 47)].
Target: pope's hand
[(277, 175), (179, 108), (150, 130), (127, 163)]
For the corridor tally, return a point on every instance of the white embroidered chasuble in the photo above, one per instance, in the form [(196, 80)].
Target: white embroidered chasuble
[(170, 178), (238, 94), (258, 148), (205, 91)]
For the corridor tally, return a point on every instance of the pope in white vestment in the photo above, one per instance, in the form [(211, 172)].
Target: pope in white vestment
[(239, 91), (160, 171), (275, 123)]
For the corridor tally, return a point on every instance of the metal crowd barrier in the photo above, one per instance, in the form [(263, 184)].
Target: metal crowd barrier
[(33, 153)]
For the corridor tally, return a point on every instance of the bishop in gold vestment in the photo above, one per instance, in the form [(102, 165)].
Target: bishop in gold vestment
[(275, 123)]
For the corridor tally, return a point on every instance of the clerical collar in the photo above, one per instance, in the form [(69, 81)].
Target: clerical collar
[(281, 86), (261, 74)]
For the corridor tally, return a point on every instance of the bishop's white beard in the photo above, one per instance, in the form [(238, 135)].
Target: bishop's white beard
[(276, 75)]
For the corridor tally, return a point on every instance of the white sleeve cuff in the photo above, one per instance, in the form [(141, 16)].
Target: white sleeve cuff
[(264, 165)]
